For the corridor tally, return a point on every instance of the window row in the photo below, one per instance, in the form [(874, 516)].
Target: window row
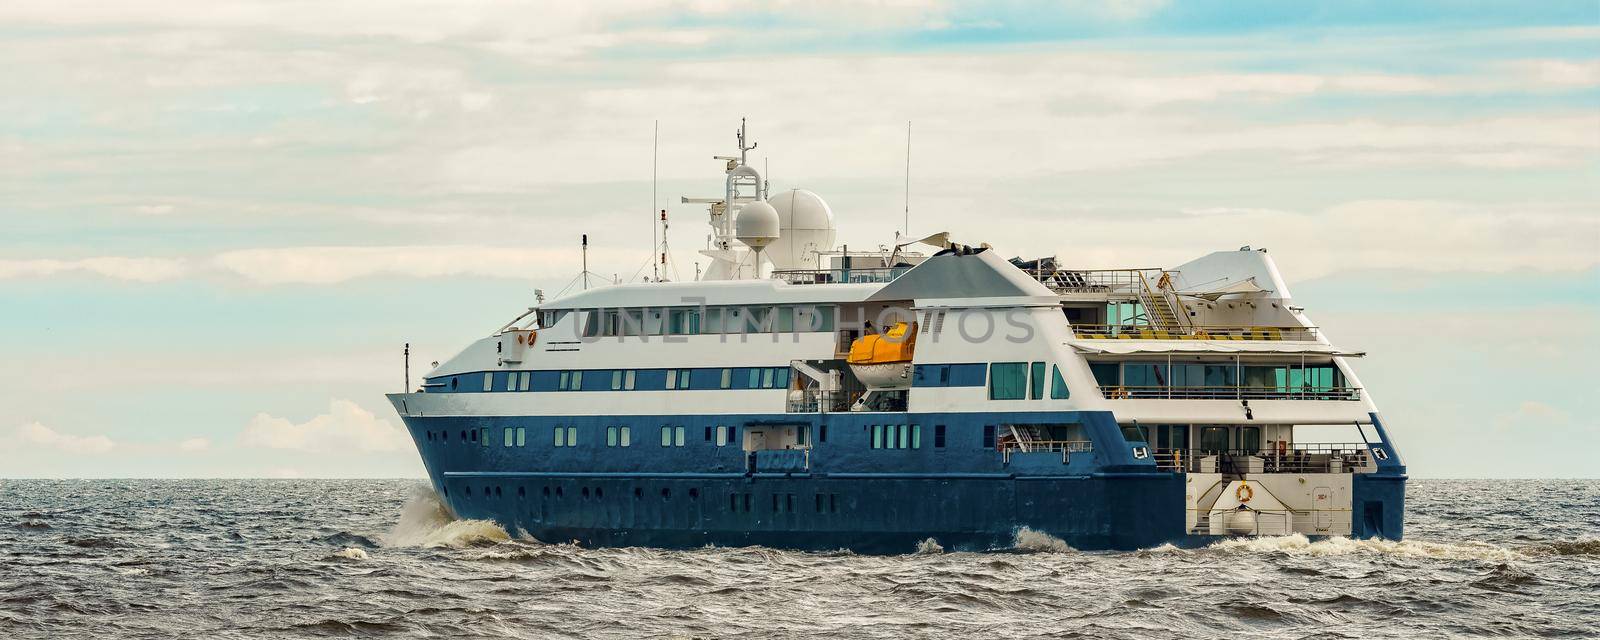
[(681, 321), (1025, 380), (623, 379), (737, 502), (899, 436), (948, 375), (1282, 377)]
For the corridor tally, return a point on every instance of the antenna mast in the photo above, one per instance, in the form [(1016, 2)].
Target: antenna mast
[(907, 228), (655, 146), (586, 261)]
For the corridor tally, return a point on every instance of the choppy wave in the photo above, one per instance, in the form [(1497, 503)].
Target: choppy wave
[(386, 559), (426, 522), (1297, 544), (929, 546), (1030, 540)]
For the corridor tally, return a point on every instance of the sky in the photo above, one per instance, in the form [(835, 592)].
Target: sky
[(219, 222)]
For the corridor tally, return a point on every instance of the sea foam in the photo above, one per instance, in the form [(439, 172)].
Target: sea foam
[(426, 522)]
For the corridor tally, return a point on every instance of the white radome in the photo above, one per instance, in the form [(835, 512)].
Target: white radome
[(806, 227), (757, 225)]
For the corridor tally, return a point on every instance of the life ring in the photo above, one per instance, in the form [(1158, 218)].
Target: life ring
[(1244, 493)]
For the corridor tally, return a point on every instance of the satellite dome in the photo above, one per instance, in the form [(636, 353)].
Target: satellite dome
[(806, 224), (757, 225)]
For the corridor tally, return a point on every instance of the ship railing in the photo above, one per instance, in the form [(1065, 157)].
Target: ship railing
[(1007, 446), (1115, 282), (1295, 458), (1229, 392), (813, 401), (876, 275), (1197, 332)]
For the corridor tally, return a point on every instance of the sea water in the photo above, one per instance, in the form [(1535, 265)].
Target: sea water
[(362, 558)]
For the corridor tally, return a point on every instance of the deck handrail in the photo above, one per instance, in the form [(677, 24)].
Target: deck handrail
[(1195, 332), (1229, 392), (1295, 458)]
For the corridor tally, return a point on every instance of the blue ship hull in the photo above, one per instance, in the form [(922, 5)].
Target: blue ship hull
[(846, 496)]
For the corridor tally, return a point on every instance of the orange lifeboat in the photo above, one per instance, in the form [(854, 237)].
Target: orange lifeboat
[(883, 361)]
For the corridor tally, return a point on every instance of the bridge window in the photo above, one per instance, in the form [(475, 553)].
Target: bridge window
[(727, 378), (488, 382), (1058, 385), (524, 380), (1036, 381), (616, 380), (1008, 380), (511, 381)]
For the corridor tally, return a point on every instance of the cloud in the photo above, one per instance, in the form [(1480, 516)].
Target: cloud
[(194, 445), (346, 427), (328, 265), (37, 435), (115, 267), (1533, 414)]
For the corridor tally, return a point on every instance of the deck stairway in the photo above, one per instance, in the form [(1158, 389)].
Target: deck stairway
[(1161, 308), (1028, 436)]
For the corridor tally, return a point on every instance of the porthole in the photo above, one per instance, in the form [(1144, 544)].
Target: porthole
[(666, 493), (522, 492), (497, 493), (559, 492), (638, 493), (469, 491), (599, 493), (694, 494), (547, 492), (586, 492)]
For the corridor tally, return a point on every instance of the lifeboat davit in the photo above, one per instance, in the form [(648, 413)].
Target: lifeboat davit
[(883, 361)]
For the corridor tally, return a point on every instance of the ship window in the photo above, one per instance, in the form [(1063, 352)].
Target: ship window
[(766, 378), (511, 381), (572, 436), (713, 321), (727, 378), (627, 436), (1008, 380), (775, 504), (677, 439), (988, 436), (818, 498), (611, 436), (802, 435), (522, 436), (722, 435), (938, 436), (666, 436), (444, 436), (525, 379), (1250, 438), (577, 380), (877, 436), (755, 379), (627, 379), (822, 433), (1058, 385), (561, 436), (905, 437), (566, 377), (488, 382), (453, 383), (616, 380), (1214, 438), (1144, 374), (510, 437), (1106, 374), (889, 431), (1135, 433), (1036, 381), (781, 377), (916, 436)]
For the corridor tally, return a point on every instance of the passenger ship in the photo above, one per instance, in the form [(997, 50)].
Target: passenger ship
[(797, 395)]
